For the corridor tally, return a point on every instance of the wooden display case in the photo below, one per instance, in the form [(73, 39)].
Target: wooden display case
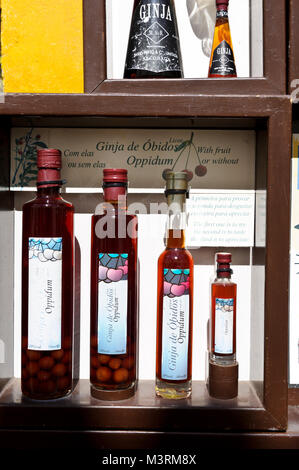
[(259, 416), (262, 401), (273, 81)]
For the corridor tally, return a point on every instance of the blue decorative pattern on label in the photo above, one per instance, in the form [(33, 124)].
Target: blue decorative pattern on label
[(224, 326), (112, 303), (175, 327)]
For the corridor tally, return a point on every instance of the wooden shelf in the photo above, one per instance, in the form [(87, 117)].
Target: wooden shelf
[(80, 422), (154, 104)]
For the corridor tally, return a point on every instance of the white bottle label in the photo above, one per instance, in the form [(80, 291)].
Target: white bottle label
[(224, 326), (175, 325), (112, 303), (44, 293)]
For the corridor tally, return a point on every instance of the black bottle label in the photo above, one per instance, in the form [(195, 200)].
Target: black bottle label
[(223, 62), (153, 42)]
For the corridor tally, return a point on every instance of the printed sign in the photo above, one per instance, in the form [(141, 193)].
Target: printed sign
[(215, 159)]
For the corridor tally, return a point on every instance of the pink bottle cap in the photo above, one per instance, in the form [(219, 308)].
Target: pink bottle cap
[(49, 158), (115, 175), (224, 258), (222, 4)]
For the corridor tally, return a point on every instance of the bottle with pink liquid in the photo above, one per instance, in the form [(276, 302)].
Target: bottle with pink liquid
[(175, 298), (114, 293)]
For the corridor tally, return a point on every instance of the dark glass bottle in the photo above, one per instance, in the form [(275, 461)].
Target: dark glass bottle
[(222, 62), (114, 293), (154, 46), (175, 299), (47, 285)]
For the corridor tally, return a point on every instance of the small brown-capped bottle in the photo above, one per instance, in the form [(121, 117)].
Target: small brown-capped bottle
[(47, 285), (222, 62), (223, 313), (154, 46)]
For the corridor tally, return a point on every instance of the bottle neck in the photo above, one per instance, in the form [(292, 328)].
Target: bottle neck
[(176, 226), (48, 182), (51, 191), (116, 196), (224, 272), (221, 16)]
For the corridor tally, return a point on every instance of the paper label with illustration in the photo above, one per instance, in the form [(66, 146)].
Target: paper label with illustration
[(175, 326), (44, 293), (224, 326), (112, 303)]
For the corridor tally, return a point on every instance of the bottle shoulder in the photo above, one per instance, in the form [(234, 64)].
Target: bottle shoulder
[(40, 202)]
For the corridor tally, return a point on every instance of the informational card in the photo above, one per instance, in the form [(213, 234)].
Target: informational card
[(217, 159), (221, 218)]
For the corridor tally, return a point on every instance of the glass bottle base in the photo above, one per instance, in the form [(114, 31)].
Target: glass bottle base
[(223, 360), (113, 395), (173, 390)]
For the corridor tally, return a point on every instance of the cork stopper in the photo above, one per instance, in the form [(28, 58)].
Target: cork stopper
[(223, 381), (177, 187)]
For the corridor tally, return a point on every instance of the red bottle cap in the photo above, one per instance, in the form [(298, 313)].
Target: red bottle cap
[(222, 4), (224, 258), (49, 158), (115, 175)]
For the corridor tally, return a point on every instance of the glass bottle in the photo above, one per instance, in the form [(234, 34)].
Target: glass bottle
[(114, 293), (154, 46), (47, 285), (222, 61), (175, 298), (223, 314)]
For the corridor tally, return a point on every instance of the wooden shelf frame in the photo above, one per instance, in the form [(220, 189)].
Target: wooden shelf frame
[(275, 112), (274, 81)]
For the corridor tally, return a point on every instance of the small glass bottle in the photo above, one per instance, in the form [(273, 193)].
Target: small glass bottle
[(114, 293), (154, 46), (175, 298), (47, 285), (223, 314), (222, 62)]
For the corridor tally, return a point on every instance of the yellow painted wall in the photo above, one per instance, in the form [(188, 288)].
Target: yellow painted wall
[(42, 46)]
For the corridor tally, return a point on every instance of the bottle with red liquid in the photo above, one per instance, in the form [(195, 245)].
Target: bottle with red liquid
[(154, 46), (114, 293), (223, 313), (222, 62), (47, 285), (175, 298)]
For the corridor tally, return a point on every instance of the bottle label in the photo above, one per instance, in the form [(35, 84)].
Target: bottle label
[(222, 14), (223, 62), (175, 325), (153, 42), (224, 326), (45, 293), (112, 303)]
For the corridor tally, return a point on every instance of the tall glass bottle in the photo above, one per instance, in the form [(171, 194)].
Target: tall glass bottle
[(114, 293), (154, 46), (47, 285), (175, 299), (222, 62), (223, 313)]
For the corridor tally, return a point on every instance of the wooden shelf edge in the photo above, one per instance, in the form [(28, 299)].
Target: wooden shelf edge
[(147, 105)]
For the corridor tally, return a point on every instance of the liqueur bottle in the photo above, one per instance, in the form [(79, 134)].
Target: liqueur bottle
[(223, 313), (154, 47), (175, 298), (47, 285), (114, 294), (222, 62)]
